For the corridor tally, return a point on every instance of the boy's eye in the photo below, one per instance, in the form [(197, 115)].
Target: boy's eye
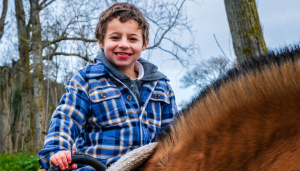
[(114, 37), (133, 39)]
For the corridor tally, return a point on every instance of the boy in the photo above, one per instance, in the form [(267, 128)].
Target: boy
[(115, 105)]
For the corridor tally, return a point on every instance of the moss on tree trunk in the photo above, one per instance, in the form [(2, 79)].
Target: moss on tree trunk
[(245, 28)]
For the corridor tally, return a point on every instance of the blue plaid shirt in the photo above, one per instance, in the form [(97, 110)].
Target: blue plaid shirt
[(104, 116)]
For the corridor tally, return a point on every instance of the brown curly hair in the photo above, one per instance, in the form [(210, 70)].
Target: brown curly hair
[(125, 12)]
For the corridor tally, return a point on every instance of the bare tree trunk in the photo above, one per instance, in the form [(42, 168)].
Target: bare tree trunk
[(16, 102), (4, 104), (17, 135), (2, 122), (246, 32), (5, 116), (2, 18), (5, 107), (7, 136), (38, 88), (2, 112), (25, 76)]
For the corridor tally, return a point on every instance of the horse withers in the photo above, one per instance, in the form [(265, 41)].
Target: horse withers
[(249, 119)]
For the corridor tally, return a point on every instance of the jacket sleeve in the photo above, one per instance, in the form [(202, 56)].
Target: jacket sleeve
[(169, 111), (67, 120)]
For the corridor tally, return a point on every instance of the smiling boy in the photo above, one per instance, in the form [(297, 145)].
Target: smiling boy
[(115, 105)]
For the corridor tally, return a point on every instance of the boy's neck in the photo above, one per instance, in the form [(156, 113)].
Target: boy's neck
[(131, 73)]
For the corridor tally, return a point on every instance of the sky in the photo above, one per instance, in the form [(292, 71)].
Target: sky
[(280, 20)]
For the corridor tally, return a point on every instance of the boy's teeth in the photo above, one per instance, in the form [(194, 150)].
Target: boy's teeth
[(123, 54)]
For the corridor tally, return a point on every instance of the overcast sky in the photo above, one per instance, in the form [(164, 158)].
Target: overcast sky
[(280, 20)]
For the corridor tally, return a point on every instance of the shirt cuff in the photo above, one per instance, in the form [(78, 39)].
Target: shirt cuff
[(44, 162)]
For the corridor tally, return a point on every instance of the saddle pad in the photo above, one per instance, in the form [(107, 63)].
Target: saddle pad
[(133, 159)]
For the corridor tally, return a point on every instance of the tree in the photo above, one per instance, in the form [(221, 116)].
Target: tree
[(205, 72), (3, 17), (37, 66), (5, 113), (170, 27), (247, 38), (246, 32), (25, 78)]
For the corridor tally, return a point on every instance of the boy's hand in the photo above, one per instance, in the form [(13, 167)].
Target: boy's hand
[(63, 159)]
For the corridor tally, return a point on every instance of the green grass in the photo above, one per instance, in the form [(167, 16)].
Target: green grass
[(19, 162)]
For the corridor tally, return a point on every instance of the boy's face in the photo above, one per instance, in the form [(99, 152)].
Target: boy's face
[(123, 44)]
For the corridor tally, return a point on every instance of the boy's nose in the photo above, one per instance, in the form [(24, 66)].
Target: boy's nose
[(123, 44)]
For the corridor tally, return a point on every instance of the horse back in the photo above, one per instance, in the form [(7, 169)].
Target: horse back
[(247, 120)]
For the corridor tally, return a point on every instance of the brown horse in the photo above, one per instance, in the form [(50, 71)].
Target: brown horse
[(249, 119)]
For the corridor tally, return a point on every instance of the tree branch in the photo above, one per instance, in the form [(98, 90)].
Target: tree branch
[(184, 49), (73, 54), (182, 61), (221, 48), (51, 53), (171, 26), (64, 37), (47, 43), (44, 4)]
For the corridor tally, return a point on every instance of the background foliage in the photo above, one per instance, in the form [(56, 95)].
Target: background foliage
[(9, 162)]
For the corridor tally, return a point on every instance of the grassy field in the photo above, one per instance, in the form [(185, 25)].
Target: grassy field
[(19, 162)]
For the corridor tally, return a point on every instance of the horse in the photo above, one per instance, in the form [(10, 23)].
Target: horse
[(248, 119)]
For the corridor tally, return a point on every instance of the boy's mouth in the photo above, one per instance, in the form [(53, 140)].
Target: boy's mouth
[(123, 55)]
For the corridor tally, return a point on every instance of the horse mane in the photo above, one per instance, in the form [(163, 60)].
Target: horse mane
[(253, 103)]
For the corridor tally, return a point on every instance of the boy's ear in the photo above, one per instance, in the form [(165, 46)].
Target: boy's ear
[(100, 43), (146, 44)]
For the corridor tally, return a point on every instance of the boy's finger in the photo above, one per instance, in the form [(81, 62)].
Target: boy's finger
[(61, 159), (68, 155), (53, 161), (74, 166), (58, 160)]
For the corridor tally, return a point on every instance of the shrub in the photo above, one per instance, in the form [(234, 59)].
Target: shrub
[(18, 162)]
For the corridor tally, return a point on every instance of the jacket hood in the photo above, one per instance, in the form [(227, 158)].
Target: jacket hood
[(151, 72)]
